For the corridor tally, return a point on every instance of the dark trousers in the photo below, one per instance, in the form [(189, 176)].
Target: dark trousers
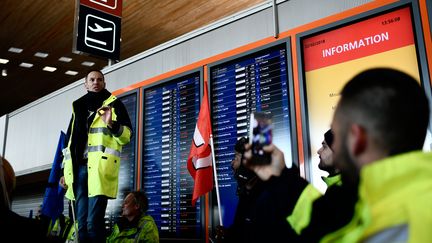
[(90, 210)]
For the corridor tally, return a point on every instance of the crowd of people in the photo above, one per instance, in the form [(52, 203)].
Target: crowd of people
[(379, 179)]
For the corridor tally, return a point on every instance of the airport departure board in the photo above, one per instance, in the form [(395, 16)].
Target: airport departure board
[(254, 82), (170, 112), (127, 163)]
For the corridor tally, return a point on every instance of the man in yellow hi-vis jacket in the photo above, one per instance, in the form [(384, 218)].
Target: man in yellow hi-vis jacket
[(135, 225), (380, 126), (99, 127)]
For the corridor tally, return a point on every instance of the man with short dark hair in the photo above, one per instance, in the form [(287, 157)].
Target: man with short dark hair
[(99, 127), (379, 128), (301, 214), (135, 225), (326, 162), (380, 125)]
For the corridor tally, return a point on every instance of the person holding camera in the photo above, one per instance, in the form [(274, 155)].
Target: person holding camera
[(379, 127), (263, 204)]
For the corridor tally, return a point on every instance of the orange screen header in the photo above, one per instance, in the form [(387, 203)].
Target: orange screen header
[(375, 35)]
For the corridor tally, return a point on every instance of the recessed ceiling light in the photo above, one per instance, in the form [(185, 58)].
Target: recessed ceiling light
[(88, 64), (70, 72), (65, 59), (26, 65), (41, 54), (3, 61), (49, 69), (15, 50), (4, 73)]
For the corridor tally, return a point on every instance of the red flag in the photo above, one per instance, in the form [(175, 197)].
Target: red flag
[(199, 161)]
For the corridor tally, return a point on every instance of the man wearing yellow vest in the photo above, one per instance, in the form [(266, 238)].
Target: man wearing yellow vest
[(99, 127), (301, 214), (379, 129), (135, 225), (380, 126)]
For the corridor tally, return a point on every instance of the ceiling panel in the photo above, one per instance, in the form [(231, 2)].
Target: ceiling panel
[(47, 26)]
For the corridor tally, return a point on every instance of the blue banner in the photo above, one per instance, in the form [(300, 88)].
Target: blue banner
[(53, 203)]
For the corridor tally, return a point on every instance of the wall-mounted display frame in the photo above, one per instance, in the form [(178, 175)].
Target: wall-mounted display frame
[(257, 80), (389, 36), (170, 110)]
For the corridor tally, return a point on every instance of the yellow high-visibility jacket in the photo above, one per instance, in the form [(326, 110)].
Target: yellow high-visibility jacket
[(104, 149), (301, 214), (145, 231), (395, 202)]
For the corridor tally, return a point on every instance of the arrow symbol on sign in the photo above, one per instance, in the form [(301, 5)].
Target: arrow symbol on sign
[(99, 28)]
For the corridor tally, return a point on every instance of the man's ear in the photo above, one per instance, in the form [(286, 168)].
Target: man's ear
[(137, 206), (357, 138)]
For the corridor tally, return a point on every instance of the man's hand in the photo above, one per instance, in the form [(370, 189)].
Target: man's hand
[(63, 183), (265, 171), (106, 115)]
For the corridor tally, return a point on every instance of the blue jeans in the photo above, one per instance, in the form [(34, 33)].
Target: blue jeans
[(90, 211)]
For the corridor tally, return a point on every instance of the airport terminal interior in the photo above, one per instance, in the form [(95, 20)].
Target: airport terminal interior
[(166, 60)]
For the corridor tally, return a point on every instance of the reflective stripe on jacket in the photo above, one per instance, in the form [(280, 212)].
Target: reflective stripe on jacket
[(104, 149), (393, 193)]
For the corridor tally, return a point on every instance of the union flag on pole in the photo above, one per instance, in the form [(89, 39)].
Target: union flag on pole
[(199, 161)]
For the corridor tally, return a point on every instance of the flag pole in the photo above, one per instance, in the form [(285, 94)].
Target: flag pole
[(216, 179), (74, 221)]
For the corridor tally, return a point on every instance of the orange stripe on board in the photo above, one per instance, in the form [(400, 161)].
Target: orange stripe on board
[(205, 77), (426, 34), (297, 104), (198, 64)]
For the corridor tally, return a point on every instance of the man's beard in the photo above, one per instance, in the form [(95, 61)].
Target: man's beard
[(323, 166), (345, 163)]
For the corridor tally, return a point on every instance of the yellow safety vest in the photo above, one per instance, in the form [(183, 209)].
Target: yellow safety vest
[(104, 149), (392, 192), (302, 212), (146, 231)]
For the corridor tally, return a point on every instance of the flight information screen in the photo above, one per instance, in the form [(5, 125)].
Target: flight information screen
[(171, 110), (255, 82), (127, 164)]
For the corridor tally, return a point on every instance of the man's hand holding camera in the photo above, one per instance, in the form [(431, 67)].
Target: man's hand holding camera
[(265, 171)]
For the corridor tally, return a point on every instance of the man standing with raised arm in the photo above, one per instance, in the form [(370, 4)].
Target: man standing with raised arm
[(99, 127)]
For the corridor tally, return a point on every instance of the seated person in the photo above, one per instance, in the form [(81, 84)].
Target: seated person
[(135, 225)]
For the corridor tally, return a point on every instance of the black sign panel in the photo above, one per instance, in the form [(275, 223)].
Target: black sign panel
[(98, 33)]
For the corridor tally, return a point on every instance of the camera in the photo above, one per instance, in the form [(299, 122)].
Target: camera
[(260, 132)]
